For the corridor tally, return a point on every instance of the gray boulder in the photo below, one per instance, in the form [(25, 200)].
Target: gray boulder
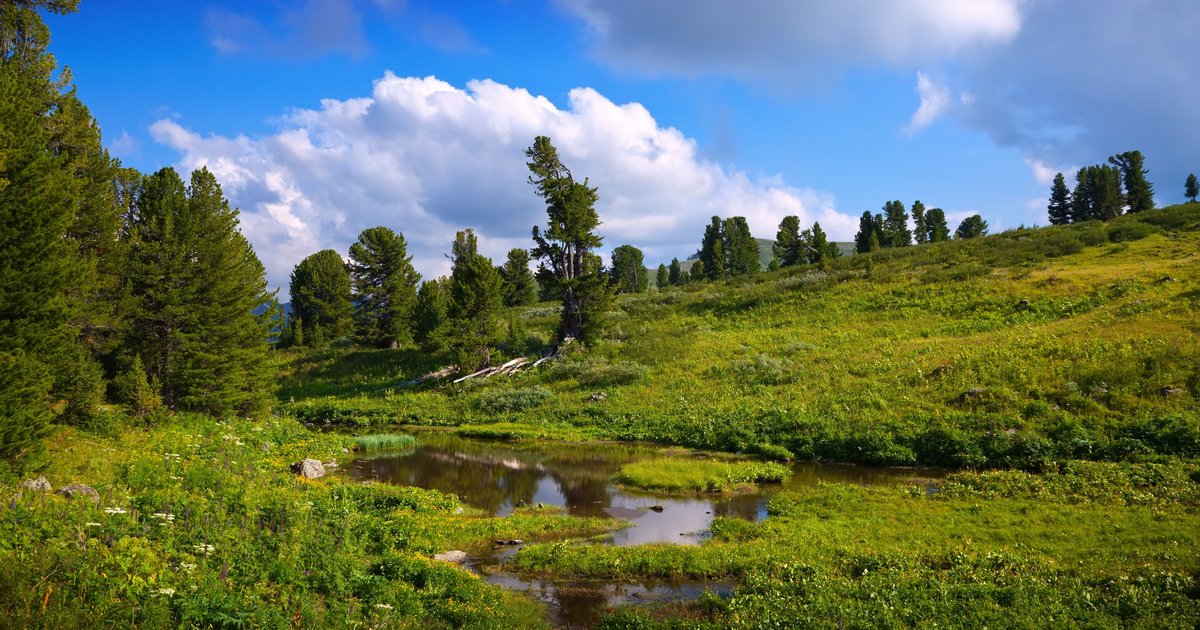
[(309, 468), (37, 485), (79, 490), (453, 555)]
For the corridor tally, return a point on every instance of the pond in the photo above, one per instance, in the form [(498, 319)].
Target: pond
[(498, 476)]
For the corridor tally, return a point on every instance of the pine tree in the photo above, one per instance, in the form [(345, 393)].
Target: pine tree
[(741, 250), (1060, 201), (971, 227), (675, 273), (430, 315), (787, 242), (1191, 188), (204, 316), (1139, 193), (866, 227), (819, 249), (384, 287), (712, 250), (1097, 194), (935, 222), (474, 303), (628, 273), (568, 241), (663, 277), (320, 290), (895, 225), (920, 231), (519, 287), (698, 272)]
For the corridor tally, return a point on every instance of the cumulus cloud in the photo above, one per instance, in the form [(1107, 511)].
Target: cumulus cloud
[(427, 158), (783, 39), (935, 101)]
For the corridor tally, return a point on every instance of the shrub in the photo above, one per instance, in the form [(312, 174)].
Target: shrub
[(599, 372), (505, 400), (1130, 231)]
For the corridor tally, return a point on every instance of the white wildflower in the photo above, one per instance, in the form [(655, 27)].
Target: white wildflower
[(187, 566), (164, 516), (384, 606), (114, 510), (204, 548), (165, 591), (91, 524)]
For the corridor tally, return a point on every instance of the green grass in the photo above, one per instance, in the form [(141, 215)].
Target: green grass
[(383, 441), (677, 475)]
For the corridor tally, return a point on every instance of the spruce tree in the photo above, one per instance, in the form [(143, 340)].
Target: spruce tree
[(675, 273), (628, 272), (320, 290), (1191, 188), (741, 250), (384, 287), (712, 250), (474, 303), (698, 272), (866, 227), (204, 316), (895, 226), (430, 315), (1139, 193), (519, 287), (663, 277), (935, 222), (1097, 193), (819, 249), (787, 242), (1060, 201), (920, 231), (971, 227)]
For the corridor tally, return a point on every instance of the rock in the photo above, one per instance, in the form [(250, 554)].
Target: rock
[(1023, 304), (656, 508), (79, 490), (331, 464), (453, 555), (520, 503), (309, 469), (597, 396), (1165, 391), (37, 485), (345, 450), (515, 541)]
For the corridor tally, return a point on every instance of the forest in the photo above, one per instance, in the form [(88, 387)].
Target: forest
[(179, 449)]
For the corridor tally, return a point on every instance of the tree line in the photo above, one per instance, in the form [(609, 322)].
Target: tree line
[(1106, 191)]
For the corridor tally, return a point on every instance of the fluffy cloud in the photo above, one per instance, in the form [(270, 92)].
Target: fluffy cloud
[(783, 39), (935, 101), (427, 158)]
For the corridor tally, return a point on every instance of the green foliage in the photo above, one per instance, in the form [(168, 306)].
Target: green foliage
[(920, 228), (384, 285), (132, 388), (519, 287), (628, 271), (590, 371), (1139, 193), (474, 303), (971, 227), (935, 222), (24, 388), (509, 400), (1097, 194), (320, 292), (675, 274), (384, 441), (1191, 188), (699, 475), (895, 225), (662, 277), (788, 248), (1059, 207), (431, 315), (741, 250)]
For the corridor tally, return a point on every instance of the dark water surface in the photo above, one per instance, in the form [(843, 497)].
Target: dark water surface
[(496, 476)]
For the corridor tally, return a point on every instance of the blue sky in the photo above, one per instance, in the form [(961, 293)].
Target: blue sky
[(325, 117)]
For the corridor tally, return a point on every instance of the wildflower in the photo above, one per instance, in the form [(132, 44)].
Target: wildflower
[(164, 516), (204, 548), (165, 591), (384, 606), (114, 510), (187, 566), (91, 524)]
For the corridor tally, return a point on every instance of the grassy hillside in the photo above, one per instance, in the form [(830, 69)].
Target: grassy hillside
[(1024, 349)]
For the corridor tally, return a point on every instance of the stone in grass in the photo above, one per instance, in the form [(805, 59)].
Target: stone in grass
[(453, 555), (309, 469), (79, 490), (37, 485)]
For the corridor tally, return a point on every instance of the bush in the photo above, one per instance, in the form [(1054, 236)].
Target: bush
[(599, 372), (1130, 231), (504, 400)]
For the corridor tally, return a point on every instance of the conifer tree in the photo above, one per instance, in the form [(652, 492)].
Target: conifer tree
[(866, 227), (1097, 193), (384, 287), (712, 250), (1060, 201), (920, 231), (1191, 188), (204, 316), (474, 303), (320, 290), (741, 250), (895, 225), (430, 315), (675, 273), (698, 272), (971, 227), (519, 287), (787, 242), (565, 247), (628, 272), (663, 277), (935, 222), (1139, 193), (819, 249)]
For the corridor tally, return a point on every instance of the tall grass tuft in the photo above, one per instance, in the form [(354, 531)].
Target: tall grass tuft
[(384, 442)]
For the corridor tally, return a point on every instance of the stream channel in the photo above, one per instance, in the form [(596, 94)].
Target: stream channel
[(496, 476)]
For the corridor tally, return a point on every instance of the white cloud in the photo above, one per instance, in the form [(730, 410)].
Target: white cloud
[(427, 158), (935, 101), (786, 39)]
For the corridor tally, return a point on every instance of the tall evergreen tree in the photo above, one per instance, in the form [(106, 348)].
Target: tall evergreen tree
[(474, 303), (1191, 188), (935, 222), (628, 273), (741, 250), (819, 249), (320, 290), (971, 227), (1097, 193), (675, 273), (1139, 193), (518, 286), (1060, 201), (568, 241), (920, 231), (895, 225), (787, 242), (430, 315), (663, 277), (712, 250), (698, 272), (204, 315), (384, 287), (866, 227)]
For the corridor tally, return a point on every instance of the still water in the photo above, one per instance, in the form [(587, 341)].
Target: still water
[(496, 476)]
